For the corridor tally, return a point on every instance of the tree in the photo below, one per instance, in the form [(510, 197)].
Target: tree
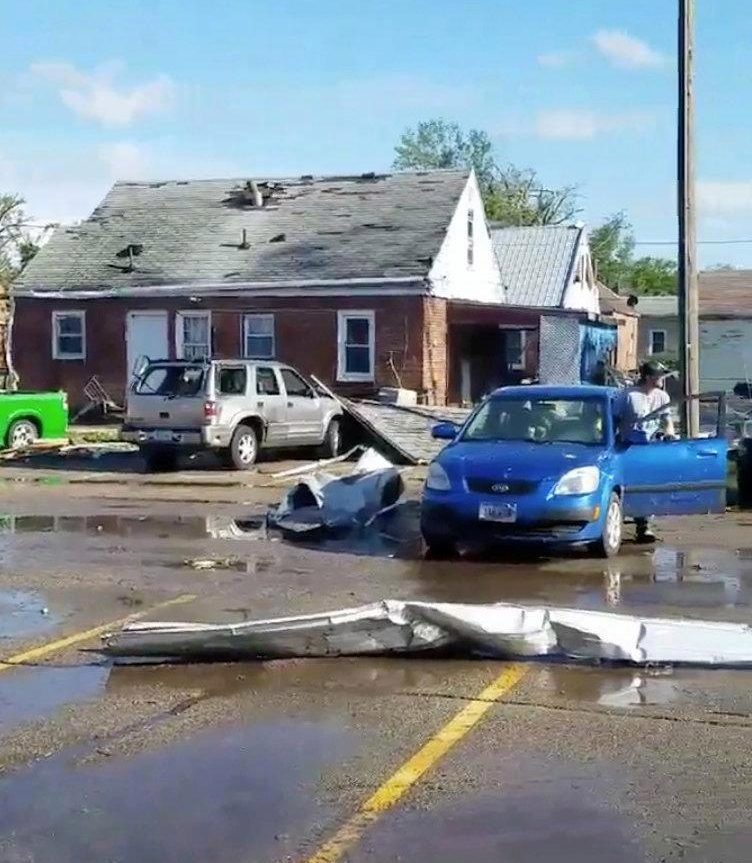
[(17, 245), (438, 144), (512, 196), (612, 247)]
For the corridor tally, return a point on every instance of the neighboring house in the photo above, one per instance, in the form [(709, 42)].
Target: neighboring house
[(547, 266), (5, 314), (349, 278), (625, 313), (725, 328), (365, 281)]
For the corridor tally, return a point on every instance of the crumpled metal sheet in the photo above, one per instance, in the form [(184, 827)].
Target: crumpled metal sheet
[(395, 627), (323, 501)]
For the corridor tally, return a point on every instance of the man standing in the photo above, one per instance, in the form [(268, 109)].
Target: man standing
[(646, 398)]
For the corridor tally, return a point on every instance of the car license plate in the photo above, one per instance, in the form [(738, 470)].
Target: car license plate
[(506, 513), (164, 435)]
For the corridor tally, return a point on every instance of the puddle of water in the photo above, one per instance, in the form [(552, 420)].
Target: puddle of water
[(375, 677), (35, 692), (715, 690), (22, 614), (238, 794)]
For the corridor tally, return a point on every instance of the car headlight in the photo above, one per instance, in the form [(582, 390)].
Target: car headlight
[(581, 480), (437, 478)]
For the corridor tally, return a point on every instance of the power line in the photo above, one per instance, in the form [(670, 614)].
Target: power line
[(699, 242)]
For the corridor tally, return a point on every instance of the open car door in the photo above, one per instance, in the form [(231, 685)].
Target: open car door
[(679, 477)]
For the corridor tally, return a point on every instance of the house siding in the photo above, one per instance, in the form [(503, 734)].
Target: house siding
[(649, 322), (451, 276), (305, 337)]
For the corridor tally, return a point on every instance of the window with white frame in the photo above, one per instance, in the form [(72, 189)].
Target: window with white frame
[(470, 231), (193, 335), (69, 335), (258, 337), (657, 342), (355, 346), (515, 345)]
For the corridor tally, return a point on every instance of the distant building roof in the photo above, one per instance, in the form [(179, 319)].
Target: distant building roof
[(726, 293), (658, 307), (195, 232), (723, 294), (536, 262)]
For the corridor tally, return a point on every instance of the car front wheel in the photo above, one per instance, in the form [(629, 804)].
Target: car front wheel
[(609, 544)]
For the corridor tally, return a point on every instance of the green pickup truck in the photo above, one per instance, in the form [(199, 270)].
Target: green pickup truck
[(28, 417)]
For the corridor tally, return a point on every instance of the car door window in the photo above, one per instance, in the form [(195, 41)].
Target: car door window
[(232, 381), (295, 385), (266, 382)]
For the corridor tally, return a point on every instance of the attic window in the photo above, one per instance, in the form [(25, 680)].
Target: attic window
[(470, 226)]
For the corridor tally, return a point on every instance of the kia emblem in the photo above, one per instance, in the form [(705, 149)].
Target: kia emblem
[(500, 487)]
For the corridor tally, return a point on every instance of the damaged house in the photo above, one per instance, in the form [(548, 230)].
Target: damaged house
[(369, 281)]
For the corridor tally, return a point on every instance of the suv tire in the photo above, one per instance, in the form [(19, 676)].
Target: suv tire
[(333, 439), (244, 448)]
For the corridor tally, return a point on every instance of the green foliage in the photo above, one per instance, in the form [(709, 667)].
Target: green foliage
[(612, 246), (17, 247), (512, 196)]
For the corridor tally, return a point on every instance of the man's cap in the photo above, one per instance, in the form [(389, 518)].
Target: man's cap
[(652, 369)]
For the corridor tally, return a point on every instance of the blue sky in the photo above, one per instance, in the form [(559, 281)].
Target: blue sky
[(583, 91)]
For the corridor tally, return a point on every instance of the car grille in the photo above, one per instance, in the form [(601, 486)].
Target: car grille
[(501, 486)]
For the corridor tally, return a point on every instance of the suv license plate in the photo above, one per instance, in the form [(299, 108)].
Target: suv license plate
[(165, 435), (506, 513)]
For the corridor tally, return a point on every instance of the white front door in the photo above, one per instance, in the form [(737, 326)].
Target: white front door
[(146, 336)]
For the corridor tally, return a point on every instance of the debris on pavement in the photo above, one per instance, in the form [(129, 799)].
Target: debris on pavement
[(321, 501), (403, 432), (315, 465), (200, 564), (395, 627)]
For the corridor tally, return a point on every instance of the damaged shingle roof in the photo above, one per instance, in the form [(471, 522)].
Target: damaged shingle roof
[(191, 233), (536, 262)]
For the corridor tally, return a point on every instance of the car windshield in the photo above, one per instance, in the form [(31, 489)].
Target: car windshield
[(164, 380), (540, 420)]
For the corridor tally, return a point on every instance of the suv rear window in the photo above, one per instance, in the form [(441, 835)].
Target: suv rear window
[(232, 381), (172, 381)]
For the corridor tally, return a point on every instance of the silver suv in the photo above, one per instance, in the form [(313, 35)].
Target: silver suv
[(235, 407)]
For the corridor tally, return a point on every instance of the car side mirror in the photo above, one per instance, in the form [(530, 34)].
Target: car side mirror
[(445, 431)]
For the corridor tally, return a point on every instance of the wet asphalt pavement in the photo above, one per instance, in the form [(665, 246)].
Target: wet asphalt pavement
[(266, 761)]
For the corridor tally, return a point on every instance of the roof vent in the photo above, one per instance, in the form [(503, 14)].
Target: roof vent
[(252, 194), (131, 251)]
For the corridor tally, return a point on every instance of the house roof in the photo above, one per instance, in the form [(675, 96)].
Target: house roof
[(723, 293), (726, 293), (658, 307), (611, 302), (383, 226), (536, 262)]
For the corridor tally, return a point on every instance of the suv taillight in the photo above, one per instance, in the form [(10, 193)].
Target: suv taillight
[(210, 410)]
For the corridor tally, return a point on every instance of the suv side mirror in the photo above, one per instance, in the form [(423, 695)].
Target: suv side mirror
[(445, 431)]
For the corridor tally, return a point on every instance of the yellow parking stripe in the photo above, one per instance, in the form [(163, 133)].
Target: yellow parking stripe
[(399, 783), (44, 650)]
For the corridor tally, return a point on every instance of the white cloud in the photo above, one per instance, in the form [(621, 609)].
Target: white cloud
[(126, 160), (96, 97), (576, 124), (556, 59), (723, 197), (625, 51)]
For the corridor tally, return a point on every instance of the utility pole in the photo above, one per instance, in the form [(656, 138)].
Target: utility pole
[(689, 335)]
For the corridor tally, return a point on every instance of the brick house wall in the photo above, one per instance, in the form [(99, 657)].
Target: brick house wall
[(305, 337)]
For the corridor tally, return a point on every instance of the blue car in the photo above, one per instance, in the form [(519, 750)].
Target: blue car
[(546, 465)]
